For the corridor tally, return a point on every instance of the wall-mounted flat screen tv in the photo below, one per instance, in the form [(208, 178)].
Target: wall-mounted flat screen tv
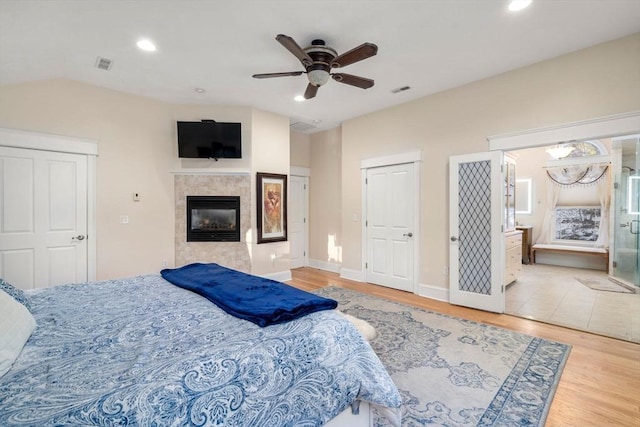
[(209, 140)]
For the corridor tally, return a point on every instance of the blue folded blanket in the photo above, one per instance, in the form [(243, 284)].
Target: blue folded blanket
[(256, 299)]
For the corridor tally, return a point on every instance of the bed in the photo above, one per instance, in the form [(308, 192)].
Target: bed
[(142, 351)]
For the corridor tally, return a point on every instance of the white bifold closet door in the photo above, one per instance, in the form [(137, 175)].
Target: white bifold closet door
[(43, 223)]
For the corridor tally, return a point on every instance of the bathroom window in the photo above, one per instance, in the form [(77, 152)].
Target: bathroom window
[(578, 223)]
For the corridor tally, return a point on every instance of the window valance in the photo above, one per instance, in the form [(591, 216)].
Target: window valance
[(573, 175)]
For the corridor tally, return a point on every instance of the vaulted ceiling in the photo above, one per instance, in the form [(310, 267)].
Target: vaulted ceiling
[(216, 46)]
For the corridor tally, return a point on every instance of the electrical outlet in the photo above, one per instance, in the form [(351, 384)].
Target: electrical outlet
[(165, 263), (445, 271), (273, 258), (124, 219)]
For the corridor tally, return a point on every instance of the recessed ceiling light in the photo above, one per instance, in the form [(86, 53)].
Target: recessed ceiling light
[(147, 45), (200, 90), (299, 98), (516, 5)]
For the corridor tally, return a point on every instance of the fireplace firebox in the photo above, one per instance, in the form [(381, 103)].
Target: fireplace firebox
[(213, 218)]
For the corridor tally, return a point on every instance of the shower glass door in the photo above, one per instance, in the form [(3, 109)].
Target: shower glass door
[(626, 266)]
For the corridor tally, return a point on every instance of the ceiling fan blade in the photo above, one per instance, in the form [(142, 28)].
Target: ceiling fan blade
[(311, 91), (350, 79), (293, 47), (269, 75), (364, 51)]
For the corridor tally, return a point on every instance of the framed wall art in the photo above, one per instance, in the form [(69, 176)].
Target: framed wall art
[(272, 207)]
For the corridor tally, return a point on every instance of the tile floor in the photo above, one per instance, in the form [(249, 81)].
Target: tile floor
[(552, 294)]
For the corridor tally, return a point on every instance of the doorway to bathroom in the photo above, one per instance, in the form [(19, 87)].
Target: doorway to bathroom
[(553, 293)]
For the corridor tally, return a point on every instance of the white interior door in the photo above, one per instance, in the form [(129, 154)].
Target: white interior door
[(297, 222), (476, 256), (43, 217), (390, 226)]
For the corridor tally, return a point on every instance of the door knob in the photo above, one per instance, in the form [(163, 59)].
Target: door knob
[(409, 234), (78, 237), (454, 239)]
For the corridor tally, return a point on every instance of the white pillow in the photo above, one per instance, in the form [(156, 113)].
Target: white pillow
[(16, 326)]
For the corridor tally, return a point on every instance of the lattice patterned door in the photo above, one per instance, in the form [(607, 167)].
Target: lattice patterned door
[(476, 255)]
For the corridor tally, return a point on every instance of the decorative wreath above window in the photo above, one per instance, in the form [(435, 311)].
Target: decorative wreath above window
[(581, 172)]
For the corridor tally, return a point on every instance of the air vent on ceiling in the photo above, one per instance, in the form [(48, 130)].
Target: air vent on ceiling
[(103, 63), (301, 126), (400, 89)]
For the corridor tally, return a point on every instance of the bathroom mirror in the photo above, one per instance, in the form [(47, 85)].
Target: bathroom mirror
[(523, 196), (633, 204)]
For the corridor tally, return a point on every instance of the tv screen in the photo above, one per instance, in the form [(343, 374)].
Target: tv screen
[(209, 140)]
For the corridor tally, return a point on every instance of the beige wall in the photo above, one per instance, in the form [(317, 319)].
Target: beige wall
[(595, 82), (137, 151), (135, 154), (194, 113), (270, 141), (300, 150), (325, 213)]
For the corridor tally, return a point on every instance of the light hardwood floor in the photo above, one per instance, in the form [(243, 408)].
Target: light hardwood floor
[(600, 384)]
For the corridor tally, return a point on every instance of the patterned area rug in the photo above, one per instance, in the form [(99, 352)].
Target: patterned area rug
[(455, 372), (604, 284)]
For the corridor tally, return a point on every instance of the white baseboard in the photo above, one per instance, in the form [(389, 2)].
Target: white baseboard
[(433, 292), (280, 276), (355, 275), (427, 291), (333, 267)]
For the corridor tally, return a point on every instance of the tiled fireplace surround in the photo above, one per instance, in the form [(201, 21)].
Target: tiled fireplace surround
[(230, 254)]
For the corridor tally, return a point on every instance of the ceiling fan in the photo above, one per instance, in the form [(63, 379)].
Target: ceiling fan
[(318, 60)]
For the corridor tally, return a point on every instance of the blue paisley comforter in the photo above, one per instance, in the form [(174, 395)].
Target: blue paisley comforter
[(141, 351)]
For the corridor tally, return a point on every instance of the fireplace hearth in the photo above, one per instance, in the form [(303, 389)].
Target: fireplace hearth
[(213, 218)]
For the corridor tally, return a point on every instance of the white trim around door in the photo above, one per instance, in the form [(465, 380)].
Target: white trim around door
[(414, 157), (299, 207), (601, 127)]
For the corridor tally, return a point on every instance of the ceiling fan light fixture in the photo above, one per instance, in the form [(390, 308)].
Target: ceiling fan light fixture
[(318, 59), (318, 77), (516, 5)]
